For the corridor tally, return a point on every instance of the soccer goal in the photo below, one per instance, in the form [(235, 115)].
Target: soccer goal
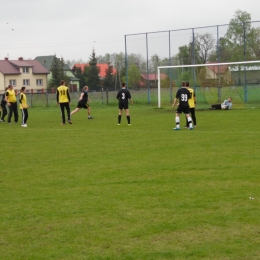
[(212, 79)]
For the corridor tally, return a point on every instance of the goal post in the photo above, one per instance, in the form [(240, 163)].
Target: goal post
[(209, 75)]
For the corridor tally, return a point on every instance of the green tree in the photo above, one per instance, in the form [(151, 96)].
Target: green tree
[(123, 74), (136, 59), (85, 75), (109, 80), (78, 74), (133, 76), (119, 64), (223, 51), (238, 26), (154, 63), (185, 54), (63, 75), (56, 72), (238, 30), (92, 73), (253, 42)]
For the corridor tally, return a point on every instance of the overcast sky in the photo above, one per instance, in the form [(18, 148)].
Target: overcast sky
[(71, 29)]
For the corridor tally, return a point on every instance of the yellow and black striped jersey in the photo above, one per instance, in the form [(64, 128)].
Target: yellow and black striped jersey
[(63, 95), (192, 96)]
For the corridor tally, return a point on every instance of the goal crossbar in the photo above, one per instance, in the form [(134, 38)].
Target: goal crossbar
[(196, 65)]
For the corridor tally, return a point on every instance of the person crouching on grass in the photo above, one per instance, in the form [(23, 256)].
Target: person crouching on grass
[(83, 102), (226, 105), (24, 107)]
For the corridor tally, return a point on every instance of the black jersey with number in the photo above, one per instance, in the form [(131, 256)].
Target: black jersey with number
[(183, 94), (123, 95)]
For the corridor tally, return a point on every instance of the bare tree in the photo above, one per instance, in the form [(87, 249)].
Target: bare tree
[(204, 44), (136, 59)]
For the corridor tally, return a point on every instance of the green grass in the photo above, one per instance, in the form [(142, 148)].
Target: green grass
[(96, 190)]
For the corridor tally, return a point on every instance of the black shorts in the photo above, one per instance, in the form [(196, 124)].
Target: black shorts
[(123, 105), (184, 109), (83, 105)]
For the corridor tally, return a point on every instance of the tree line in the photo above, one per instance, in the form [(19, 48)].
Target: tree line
[(240, 42)]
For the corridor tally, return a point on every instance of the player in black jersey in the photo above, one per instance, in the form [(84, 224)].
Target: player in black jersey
[(83, 102), (3, 106), (123, 95), (183, 95)]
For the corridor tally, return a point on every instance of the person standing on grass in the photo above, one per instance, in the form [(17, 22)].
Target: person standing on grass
[(24, 107), (10, 98), (192, 105), (123, 95), (183, 95), (83, 102), (3, 106), (63, 100)]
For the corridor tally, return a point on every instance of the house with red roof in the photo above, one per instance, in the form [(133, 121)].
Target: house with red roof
[(29, 73), (47, 62), (103, 67), (211, 75), (152, 78)]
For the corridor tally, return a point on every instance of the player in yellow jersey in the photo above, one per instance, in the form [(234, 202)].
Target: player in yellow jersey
[(192, 105), (24, 107), (63, 100), (10, 98)]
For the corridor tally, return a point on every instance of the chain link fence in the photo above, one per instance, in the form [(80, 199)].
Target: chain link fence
[(205, 97), (192, 46)]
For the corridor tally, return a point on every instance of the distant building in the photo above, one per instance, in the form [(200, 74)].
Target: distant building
[(47, 61), (152, 78), (29, 73), (103, 67), (212, 76), (249, 73)]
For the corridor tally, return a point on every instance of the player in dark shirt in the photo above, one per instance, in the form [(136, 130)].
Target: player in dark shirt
[(83, 102), (123, 95), (3, 106), (183, 95)]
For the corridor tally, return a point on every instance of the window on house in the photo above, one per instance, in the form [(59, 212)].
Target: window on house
[(12, 82), (25, 70), (26, 82), (39, 82)]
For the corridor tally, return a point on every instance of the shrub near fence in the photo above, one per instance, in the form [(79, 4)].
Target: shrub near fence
[(205, 97)]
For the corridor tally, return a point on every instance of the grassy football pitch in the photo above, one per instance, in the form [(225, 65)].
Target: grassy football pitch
[(96, 190)]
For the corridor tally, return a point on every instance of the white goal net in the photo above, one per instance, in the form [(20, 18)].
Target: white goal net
[(213, 76)]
